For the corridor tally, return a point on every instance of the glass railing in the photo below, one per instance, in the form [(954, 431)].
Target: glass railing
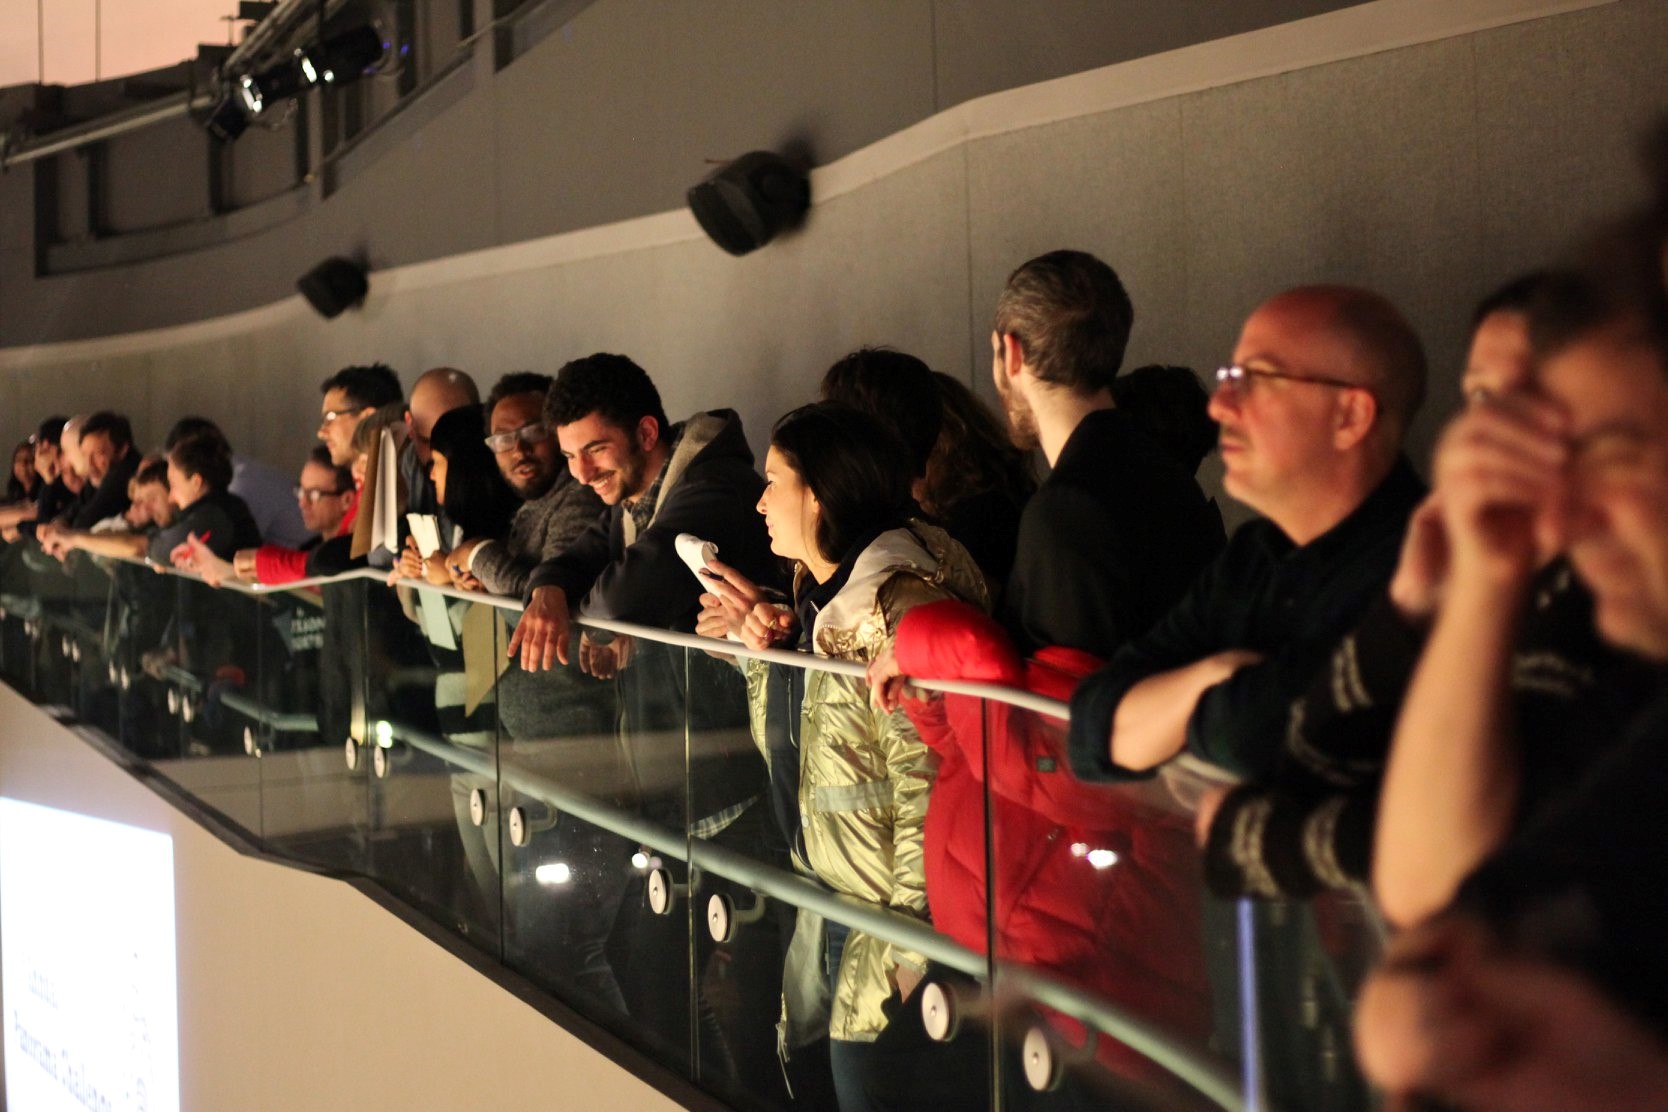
[(655, 852)]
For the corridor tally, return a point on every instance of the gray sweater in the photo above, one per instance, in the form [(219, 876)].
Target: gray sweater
[(540, 530)]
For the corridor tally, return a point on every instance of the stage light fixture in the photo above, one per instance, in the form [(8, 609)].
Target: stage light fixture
[(341, 58), (743, 205), (260, 91), (229, 118)]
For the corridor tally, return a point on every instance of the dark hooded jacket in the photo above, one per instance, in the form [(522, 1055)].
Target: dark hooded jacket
[(613, 571)]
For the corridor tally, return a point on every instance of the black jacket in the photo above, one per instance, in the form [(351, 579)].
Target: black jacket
[(109, 498), (711, 490), (222, 519), (1289, 603), (708, 488), (1111, 540)]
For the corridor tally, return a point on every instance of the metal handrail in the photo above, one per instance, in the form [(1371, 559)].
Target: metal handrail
[(1025, 700), (1203, 1073)]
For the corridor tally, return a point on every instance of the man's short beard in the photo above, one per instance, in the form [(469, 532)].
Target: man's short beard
[(632, 481), (1022, 420), (536, 487)]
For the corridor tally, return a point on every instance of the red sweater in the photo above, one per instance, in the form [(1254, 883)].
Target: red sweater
[(276, 564)]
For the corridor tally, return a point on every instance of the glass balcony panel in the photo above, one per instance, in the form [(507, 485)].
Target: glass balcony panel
[(574, 887), (1309, 960), (741, 933), (86, 630), (202, 667), (141, 634), (816, 858), (54, 596), (18, 608), (597, 906), (315, 774), (430, 733), (1116, 983)]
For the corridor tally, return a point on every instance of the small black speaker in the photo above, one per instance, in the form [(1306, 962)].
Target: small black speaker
[(744, 204), (334, 285)]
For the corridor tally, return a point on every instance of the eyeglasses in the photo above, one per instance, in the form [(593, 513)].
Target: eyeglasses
[(331, 415), (1238, 379), (536, 433), (311, 496)]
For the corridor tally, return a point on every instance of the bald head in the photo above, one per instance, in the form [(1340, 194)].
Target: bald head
[(69, 442), (436, 392), (1371, 343)]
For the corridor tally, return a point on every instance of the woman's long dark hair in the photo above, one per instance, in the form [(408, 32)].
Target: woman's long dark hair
[(974, 454), (855, 466), (477, 497), (17, 491)]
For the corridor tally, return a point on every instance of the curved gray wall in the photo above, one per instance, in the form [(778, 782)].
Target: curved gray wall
[(1395, 145)]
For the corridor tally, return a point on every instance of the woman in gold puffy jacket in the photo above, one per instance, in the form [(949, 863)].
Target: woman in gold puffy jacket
[(849, 783)]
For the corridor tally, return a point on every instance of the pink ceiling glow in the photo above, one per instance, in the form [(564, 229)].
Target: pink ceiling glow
[(133, 36)]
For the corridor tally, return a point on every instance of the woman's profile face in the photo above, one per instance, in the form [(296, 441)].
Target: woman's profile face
[(790, 510), (183, 489), (437, 475), (23, 464)]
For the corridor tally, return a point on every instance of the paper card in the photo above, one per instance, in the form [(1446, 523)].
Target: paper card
[(426, 529)]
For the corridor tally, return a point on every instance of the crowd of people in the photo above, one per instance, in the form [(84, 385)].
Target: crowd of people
[(1446, 696)]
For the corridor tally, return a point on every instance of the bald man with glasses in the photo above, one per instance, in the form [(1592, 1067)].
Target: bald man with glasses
[(1313, 409)]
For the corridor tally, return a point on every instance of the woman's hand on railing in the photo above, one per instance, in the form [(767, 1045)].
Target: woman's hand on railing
[(735, 604), (888, 686), (725, 604), (767, 626), (436, 571), (410, 565)]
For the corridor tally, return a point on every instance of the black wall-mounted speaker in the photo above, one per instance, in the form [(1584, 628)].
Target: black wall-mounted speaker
[(334, 285), (744, 204)]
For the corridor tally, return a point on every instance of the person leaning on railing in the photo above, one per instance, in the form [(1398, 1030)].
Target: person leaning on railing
[(1543, 985), (210, 516), (150, 512), (50, 495), (1454, 790), (837, 502), (555, 506)]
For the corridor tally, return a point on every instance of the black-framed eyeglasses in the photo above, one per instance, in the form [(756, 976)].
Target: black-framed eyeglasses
[(1238, 379), (311, 496), (536, 432)]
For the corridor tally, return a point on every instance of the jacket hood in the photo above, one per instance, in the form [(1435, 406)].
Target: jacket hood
[(864, 615), (714, 436), (706, 437)]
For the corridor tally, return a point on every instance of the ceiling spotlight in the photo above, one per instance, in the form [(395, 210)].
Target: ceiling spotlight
[(343, 57), (260, 91), (229, 118)]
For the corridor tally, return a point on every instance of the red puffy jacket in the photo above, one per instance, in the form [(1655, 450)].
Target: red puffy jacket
[(1125, 924)]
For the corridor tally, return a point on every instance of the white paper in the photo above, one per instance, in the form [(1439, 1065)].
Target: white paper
[(425, 529), (385, 524), (695, 553)]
